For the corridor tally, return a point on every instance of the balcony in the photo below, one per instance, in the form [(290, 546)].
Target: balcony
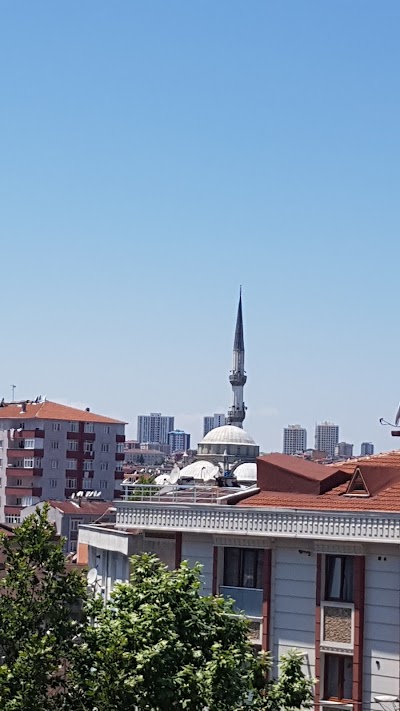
[(119, 456), (119, 475), (18, 452), (120, 438), (89, 436), (23, 491), (73, 435), (22, 472), (28, 434), (247, 600)]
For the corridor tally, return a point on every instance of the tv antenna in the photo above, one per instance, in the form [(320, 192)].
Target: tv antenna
[(13, 392)]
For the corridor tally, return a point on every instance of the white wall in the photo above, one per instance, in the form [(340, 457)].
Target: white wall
[(293, 604), (381, 627), (200, 549)]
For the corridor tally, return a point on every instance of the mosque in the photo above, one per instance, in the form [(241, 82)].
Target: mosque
[(226, 451)]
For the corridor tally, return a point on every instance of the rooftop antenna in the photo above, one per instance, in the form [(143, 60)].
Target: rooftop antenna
[(13, 392)]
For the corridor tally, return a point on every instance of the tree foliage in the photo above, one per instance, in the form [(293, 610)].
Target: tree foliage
[(156, 645)]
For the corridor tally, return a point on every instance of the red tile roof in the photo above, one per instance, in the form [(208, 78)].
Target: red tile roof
[(381, 471), (87, 507), (52, 411)]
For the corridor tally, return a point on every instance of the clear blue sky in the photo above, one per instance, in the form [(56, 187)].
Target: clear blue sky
[(154, 156)]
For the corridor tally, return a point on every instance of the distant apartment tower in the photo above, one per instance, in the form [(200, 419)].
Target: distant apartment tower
[(179, 441), (367, 448), (326, 438), (212, 421), (154, 427), (294, 439), (344, 450), (50, 451)]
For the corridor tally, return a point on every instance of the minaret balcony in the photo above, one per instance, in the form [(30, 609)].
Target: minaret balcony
[(237, 378)]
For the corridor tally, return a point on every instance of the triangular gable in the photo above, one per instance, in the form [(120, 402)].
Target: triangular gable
[(357, 485)]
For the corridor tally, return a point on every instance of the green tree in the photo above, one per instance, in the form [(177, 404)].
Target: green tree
[(159, 645), (37, 597)]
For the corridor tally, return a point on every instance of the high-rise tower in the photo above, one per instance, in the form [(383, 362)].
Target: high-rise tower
[(237, 378)]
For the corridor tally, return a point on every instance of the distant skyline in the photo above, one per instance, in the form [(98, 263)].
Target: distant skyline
[(155, 156)]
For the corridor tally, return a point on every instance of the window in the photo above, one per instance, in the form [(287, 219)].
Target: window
[(21, 426), (1, 462), (29, 444), (119, 468), (89, 427), (88, 447), (1, 444), (71, 483), (73, 546), (87, 484), (54, 463), (55, 445), (38, 463), (87, 465), (120, 447), (18, 501), (75, 522), (53, 483), (339, 578), (56, 426), (28, 463), (18, 482), (105, 447), (243, 567), (106, 429), (338, 677), (103, 484), (73, 427), (72, 445), (71, 464), (104, 466)]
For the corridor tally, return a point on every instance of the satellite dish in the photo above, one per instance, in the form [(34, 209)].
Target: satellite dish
[(79, 493), (92, 576)]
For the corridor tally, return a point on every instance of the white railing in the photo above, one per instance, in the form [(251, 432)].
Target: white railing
[(162, 514), (176, 493)]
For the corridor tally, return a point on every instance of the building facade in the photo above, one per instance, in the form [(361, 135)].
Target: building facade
[(344, 450), (326, 438), (210, 422), (367, 448), (179, 441), (154, 427), (294, 439), (49, 451), (311, 556)]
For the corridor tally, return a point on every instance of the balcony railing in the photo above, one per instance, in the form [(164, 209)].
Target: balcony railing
[(176, 493), (247, 600)]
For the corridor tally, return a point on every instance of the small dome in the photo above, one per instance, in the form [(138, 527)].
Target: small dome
[(200, 471), (246, 472), (227, 434)]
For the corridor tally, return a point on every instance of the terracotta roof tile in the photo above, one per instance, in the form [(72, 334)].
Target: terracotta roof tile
[(87, 507), (52, 411)]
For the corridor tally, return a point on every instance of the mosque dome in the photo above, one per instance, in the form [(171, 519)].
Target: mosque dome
[(228, 444), (228, 434), (246, 473)]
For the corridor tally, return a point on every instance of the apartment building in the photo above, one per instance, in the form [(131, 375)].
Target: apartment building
[(210, 422), (326, 438), (311, 556), (154, 427), (49, 451), (294, 439)]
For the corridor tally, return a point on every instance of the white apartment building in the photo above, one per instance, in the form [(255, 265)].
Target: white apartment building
[(311, 555), (326, 438), (49, 451), (210, 422), (294, 439), (154, 427)]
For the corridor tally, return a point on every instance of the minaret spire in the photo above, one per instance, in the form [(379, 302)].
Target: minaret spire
[(237, 378)]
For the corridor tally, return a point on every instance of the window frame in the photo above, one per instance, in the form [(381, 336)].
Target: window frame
[(341, 676), (257, 567), (329, 569)]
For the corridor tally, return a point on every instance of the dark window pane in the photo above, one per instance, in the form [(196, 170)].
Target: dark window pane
[(333, 574), (249, 568), (331, 676), (347, 579), (259, 577), (232, 567), (348, 677)]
